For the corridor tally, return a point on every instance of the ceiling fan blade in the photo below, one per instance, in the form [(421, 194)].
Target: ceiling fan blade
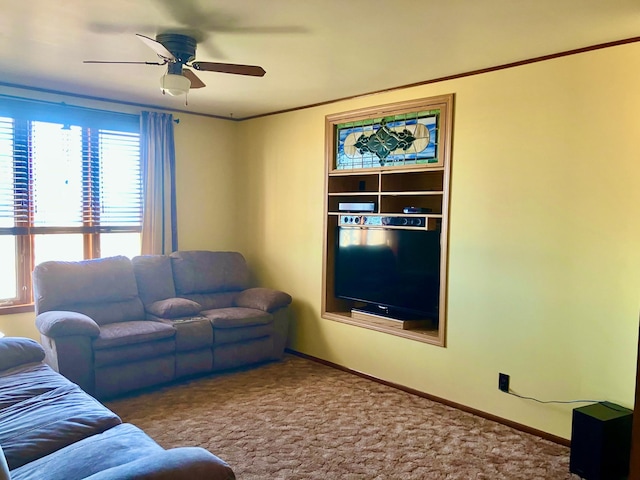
[(195, 81), (132, 63), (157, 47), (251, 70)]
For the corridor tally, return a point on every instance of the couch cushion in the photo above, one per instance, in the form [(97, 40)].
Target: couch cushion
[(199, 271), (45, 423), (154, 277), (127, 333), (237, 317), (174, 308), (22, 383), (183, 463), (16, 351), (209, 301), (59, 285), (116, 446), (111, 312)]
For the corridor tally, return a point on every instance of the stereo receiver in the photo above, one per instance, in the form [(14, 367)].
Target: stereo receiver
[(380, 221)]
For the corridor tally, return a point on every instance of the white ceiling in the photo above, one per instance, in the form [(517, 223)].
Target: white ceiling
[(314, 51)]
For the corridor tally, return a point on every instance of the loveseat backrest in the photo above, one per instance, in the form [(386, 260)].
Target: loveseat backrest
[(205, 272), (154, 276), (104, 289)]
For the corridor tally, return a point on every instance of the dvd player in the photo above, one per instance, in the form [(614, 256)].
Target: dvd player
[(357, 207)]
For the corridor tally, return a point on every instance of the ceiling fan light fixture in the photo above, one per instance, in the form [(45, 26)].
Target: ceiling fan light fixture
[(174, 84)]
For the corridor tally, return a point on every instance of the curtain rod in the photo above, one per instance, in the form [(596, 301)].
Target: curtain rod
[(64, 105)]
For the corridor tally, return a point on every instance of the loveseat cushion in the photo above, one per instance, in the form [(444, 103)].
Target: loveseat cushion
[(209, 301), (128, 333), (154, 277), (45, 423), (199, 271), (265, 299), (174, 308), (104, 289), (16, 351), (237, 317)]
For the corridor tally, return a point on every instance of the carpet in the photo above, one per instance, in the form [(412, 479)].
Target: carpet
[(299, 419)]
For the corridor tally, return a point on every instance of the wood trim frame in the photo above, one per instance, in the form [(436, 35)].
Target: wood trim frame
[(634, 467), (458, 406), (335, 309)]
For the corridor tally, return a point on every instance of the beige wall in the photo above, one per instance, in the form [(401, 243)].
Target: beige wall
[(207, 183), (544, 271)]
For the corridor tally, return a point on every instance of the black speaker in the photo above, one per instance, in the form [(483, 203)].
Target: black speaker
[(601, 441)]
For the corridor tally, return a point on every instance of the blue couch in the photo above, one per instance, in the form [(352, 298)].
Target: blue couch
[(51, 429)]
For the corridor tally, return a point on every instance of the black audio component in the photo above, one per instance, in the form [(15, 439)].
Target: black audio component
[(404, 221), (416, 210), (363, 220), (361, 207), (601, 441), (380, 221)]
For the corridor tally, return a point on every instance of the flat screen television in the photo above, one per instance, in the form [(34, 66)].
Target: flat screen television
[(396, 273)]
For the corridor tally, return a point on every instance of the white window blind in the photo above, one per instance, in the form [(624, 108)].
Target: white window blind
[(6, 173), (70, 188)]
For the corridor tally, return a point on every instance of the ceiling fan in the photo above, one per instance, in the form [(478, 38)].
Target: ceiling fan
[(177, 51)]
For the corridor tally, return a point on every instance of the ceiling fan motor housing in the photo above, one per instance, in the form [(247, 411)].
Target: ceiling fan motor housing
[(182, 47)]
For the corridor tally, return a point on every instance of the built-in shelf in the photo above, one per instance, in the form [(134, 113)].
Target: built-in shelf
[(390, 188)]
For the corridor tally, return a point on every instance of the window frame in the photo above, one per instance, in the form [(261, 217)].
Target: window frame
[(92, 122)]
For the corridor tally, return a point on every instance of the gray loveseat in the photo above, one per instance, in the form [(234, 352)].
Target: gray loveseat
[(113, 325), (51, 430)]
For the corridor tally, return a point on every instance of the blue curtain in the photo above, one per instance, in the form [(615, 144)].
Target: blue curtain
[(158, 158)]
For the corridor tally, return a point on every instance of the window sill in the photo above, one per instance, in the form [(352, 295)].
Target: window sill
[(11, 309)]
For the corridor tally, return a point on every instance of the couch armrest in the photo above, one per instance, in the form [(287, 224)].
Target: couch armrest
[(265, 299), (58, 323), (16, 351), (174, 308), (185, 463)]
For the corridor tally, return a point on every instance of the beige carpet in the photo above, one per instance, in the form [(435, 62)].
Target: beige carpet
[(298, 419)]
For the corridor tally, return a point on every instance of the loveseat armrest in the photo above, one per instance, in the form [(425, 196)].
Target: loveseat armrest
[(170, 308), (265, 299), (186, 463), (15, 351), (59, 323)]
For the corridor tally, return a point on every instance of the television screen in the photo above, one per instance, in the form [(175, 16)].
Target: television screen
[(395, 272)]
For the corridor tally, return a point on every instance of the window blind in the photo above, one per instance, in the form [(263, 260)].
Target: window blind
[(70, 188), (63, 178), (6, 174)]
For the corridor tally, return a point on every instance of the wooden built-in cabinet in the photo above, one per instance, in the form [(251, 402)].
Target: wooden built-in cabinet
[(390, 188)]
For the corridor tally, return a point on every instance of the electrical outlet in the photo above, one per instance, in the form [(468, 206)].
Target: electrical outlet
[(503, 382)]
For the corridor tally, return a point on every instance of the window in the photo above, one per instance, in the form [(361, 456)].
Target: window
[(70, 189)]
